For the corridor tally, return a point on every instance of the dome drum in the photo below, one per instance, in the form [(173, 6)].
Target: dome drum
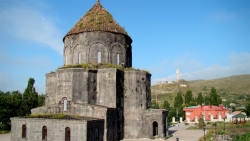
[(98, 47)]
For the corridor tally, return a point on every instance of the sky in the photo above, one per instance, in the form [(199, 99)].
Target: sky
[(205, 39)]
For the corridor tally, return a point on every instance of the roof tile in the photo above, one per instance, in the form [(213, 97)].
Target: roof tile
[(97, 19)]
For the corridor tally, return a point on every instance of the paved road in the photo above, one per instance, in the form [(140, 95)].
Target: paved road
[(178, 131), (5, 137)]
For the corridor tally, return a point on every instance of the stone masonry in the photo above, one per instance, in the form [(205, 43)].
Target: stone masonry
[(113, 103)]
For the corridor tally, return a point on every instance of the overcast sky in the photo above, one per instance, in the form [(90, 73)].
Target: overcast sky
[(204, 39)]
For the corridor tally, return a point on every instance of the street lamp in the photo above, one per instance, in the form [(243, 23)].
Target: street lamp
[(215, 129), (204, 129), (224, 124), (204, 107)]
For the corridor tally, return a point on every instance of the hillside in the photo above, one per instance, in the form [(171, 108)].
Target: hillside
[(229, 88)]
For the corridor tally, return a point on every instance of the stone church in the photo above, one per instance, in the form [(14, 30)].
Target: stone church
[(96, 95)]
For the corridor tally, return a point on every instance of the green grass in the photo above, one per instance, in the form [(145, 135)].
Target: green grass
[(4, 131), (238, 132)]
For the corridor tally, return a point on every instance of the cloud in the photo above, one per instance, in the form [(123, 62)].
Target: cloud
[(29, 24), (221, 16), (238, 64)]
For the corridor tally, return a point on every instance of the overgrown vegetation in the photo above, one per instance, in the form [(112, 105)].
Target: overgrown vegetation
[(98, 18), (243, 137), (102, 66), (235, 132), (57, 116)]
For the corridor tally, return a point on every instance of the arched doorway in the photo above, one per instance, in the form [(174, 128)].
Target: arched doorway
[(155, 128)]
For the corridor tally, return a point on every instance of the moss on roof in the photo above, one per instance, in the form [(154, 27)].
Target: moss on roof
[(60, 116), (96, 19)]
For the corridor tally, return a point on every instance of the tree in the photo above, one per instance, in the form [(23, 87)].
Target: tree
[(171, 114), (154, 105), (200, 99), (188, 97), (201, 122), (214, 97), (30, 97), (9, 107), (41, 100), (166, 105), (247, 108), (178, 101)]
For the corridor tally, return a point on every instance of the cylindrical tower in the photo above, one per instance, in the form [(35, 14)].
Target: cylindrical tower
[(97, 38)]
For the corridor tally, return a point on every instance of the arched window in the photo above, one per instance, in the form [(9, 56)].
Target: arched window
[(66, 60), (67, 134), (24, 131), (117, 59), (79, 58), (99, 57), (65, 102), (44, 133)]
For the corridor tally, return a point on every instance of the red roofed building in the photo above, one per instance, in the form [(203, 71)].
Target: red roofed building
[(211, 112)]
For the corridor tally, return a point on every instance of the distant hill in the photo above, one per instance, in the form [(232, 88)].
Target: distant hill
[(229, 88)]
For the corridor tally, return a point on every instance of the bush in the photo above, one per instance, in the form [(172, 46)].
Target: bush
[(4, 127)]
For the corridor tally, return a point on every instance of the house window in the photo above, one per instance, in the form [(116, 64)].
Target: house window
[(187, 113), (65, 102), (24, 131), (117, 59), (44, 133), (67, 134), (99, 59), (79, 58)]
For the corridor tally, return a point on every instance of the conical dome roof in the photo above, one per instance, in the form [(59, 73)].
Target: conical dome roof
[(96, 19)]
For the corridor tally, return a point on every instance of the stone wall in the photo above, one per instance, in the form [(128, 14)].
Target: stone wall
[(55, 129), (136, 100), (84, 47), (160, 117), (50, 88)]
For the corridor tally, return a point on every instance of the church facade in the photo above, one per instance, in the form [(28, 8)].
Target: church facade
[(96, 95)]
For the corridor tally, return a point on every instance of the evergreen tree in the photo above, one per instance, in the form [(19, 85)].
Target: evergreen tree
[(171, 113), (30, 97), (214, 97), (166, 105), (207, 100), (200, 99), (188, 97), (178, 101), (247, 108)]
